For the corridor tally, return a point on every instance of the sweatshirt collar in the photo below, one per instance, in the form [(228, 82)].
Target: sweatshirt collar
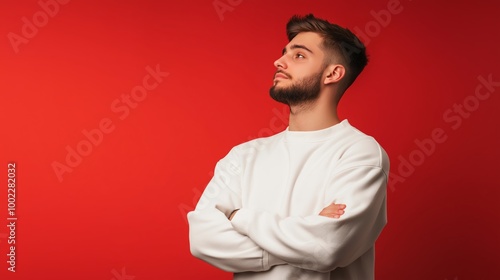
[(315, 135)]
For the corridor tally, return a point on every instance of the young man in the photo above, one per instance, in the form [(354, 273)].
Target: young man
[(310, 201)]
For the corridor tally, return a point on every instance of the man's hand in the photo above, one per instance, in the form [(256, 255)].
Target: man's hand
[(333, 211)]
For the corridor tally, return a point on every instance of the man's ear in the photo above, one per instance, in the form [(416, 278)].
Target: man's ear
[(334, 73)]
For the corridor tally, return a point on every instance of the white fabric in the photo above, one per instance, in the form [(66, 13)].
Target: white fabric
[(280, 184)]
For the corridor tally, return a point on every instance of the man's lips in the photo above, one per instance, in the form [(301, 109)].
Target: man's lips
[(280, 76)]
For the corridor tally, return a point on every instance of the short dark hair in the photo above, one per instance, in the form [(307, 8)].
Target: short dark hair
[(339, 40)]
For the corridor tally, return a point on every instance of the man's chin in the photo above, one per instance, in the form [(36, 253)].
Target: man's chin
[(279, 85), (281, 101)]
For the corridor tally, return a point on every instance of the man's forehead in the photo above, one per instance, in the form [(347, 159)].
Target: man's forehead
[(309, 40)]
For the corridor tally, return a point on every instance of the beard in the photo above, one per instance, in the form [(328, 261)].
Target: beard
[(302, 92)]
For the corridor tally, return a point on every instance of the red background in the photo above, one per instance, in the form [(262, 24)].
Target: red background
[(121, 211)]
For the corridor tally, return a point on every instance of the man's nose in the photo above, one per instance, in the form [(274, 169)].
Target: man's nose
[(280, 62)]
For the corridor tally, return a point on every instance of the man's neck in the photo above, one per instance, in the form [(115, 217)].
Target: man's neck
[(312, 117)]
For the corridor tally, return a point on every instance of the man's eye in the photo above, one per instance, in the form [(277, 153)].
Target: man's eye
[(299, 56)]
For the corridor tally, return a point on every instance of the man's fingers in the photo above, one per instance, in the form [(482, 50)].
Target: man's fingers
[(337, 212), (332, 215), (339, 206), (334, 206), (333, 210)]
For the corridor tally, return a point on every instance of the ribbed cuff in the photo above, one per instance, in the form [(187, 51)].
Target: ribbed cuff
[(270, 260)]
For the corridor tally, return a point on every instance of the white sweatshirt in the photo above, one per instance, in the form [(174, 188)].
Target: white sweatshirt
[(280, 184)]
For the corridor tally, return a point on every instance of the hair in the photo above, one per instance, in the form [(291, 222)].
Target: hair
[(340, 43)]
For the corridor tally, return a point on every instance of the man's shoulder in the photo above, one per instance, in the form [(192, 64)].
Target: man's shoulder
[(364, 148), (258, 144)]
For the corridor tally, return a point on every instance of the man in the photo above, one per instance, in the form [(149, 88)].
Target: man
[(310, 201)]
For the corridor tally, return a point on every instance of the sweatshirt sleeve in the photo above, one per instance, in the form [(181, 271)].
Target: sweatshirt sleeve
[(212, 237), (319, 243)]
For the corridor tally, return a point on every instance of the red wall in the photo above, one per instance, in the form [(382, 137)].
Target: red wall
[(109, 158)]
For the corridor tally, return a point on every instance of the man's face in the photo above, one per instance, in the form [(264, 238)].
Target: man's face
[(299, 73)]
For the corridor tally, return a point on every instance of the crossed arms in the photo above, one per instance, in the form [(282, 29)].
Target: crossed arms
[(252, 240)]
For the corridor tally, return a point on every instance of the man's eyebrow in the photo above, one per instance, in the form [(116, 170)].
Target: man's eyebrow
[(295, 46)]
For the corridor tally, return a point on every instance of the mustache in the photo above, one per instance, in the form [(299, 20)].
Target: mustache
[(284, 73)]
